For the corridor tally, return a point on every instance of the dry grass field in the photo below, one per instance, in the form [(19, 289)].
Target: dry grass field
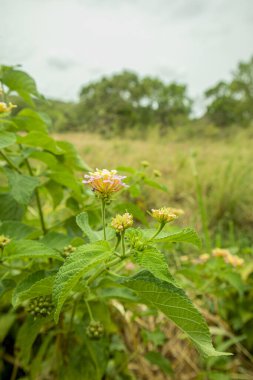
[(224, 167)]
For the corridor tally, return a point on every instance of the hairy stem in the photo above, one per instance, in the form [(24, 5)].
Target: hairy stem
[(158, 231), (103, 216)]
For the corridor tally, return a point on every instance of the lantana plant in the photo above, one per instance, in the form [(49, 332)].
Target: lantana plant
[(59, 275)]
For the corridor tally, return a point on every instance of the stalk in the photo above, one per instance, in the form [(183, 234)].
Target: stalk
[(103, 216)]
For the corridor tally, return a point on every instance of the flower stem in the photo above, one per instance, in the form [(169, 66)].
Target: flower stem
[(158, 231), (123, 244), (89, 311), (103, 217)]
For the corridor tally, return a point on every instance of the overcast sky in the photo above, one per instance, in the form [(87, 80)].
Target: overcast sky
[(66, 43)]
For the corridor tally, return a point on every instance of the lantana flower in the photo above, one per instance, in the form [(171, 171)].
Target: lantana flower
[(227, 256), (166, 214), (4, 240), (104, 182), (121, 222), (4, 107)]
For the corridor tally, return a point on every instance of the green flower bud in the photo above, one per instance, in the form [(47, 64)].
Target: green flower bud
[(95, 330), (40, 307)]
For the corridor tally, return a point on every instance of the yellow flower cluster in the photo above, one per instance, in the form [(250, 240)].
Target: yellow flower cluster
[(227, 256), (166, 214), (4, 240), (121, 222), (4, 107)]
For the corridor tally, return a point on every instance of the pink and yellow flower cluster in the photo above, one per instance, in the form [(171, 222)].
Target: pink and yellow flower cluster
[(104, 182)]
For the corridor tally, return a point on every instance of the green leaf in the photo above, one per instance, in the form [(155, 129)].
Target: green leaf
[(6, 139), (34, 285), (56, 192), (26, 337), (10, 209), (187, 235), (42, 140), (66, 178), (6, 285), (22, 83), (80, 262), (21, 186), (155, 357), (155, 185), (24, 249), (175, 304), (56, 240), (72, 159), (16, 230), (154, 261), (6, 321), (29, 120), (82, 220)]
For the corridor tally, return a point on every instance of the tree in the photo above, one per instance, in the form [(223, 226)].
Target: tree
[(232, 102), (125, 100)]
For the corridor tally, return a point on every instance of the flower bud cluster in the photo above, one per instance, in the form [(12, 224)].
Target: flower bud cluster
[(68, 250), (121, 222), (95, 330), (40, 307), (166, 214), (4, 240)]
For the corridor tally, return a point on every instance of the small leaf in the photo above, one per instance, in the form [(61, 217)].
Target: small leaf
[(21, 186), (175, 304), (23, 249), (85, 258), (6, 139), (187, 235), (82, 220)]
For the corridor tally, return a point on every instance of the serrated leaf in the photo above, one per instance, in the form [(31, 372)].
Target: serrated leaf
[(65, 178), (27, 249), (16, 230), (10, 209), (42, 140), (21, 186), (35, 285), (187, 235), (7, 139), (154, 261), (85, 258), (175, 304)]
